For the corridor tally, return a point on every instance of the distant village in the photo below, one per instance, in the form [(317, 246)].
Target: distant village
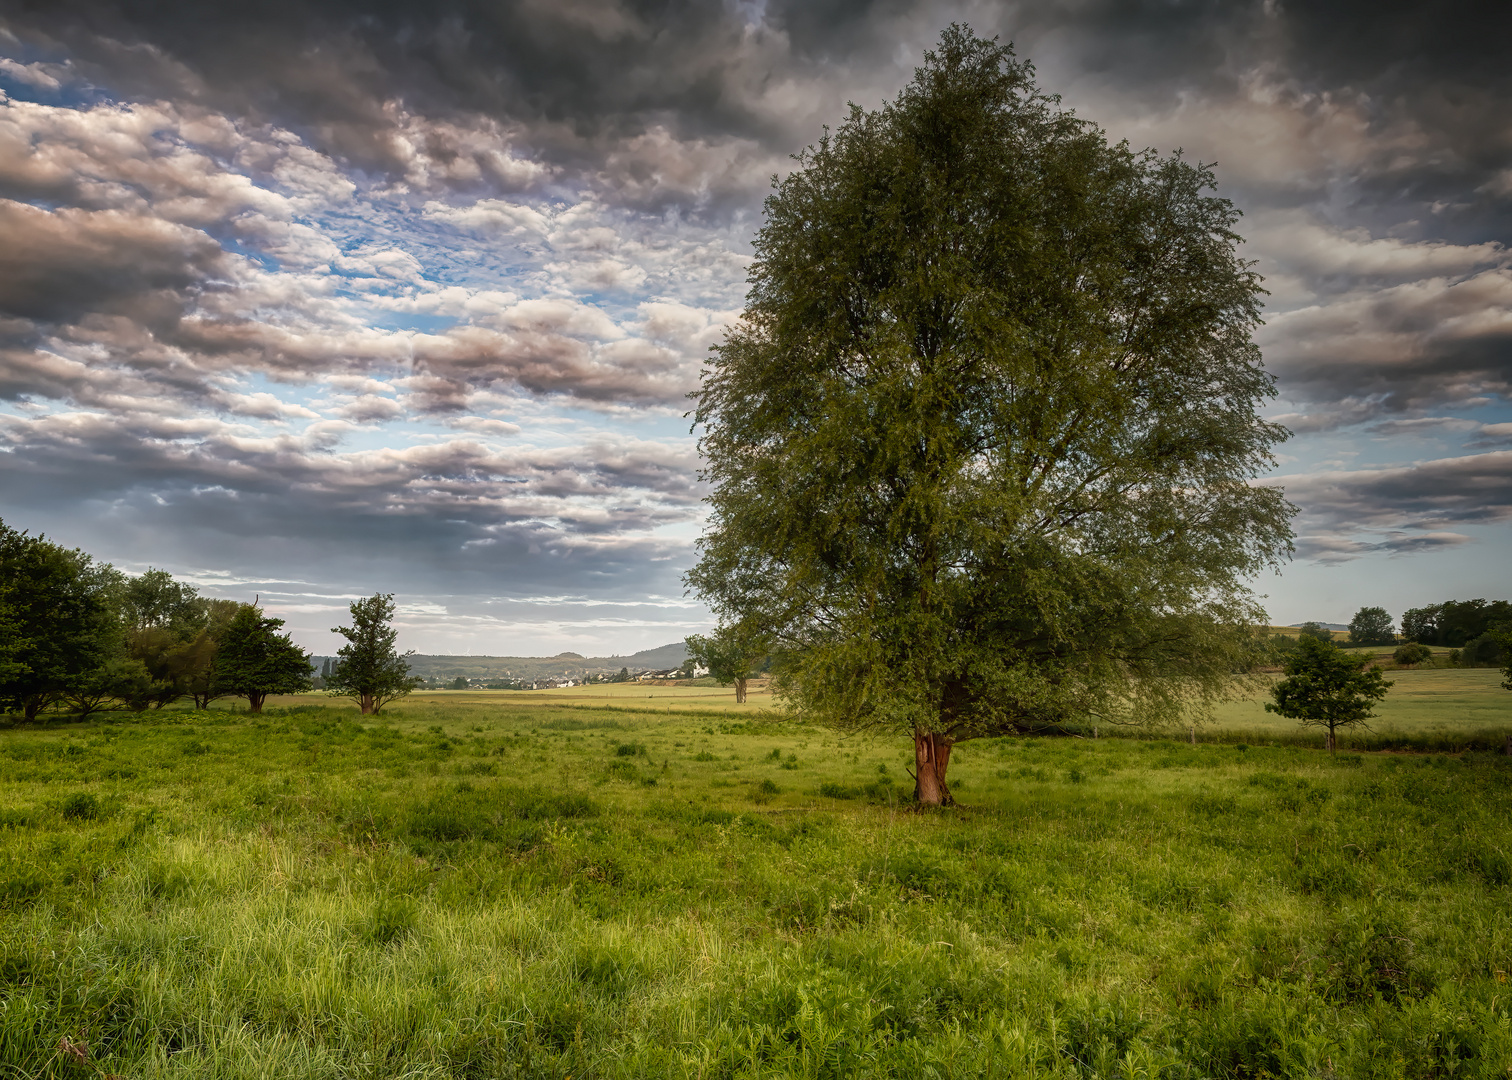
[(552, 682)]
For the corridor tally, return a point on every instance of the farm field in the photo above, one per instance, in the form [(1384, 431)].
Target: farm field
[(467, 888), (1427, 706)]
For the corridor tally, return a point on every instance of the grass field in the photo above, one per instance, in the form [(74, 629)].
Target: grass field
[(514, 885)]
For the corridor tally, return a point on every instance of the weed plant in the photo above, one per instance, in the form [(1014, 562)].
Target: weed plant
[(541, 892)]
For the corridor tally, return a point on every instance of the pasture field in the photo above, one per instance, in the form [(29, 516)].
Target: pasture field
[(528, 888)]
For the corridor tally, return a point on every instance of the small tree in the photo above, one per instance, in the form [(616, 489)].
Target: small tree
[(1371, 626), (255, 660), (1328, 688), (1410, 654), (1503, 632), (1315, 630), (367, 669), (731, 654)]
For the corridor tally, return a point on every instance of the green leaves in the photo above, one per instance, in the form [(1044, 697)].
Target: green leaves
[(1327, 687), (368, 668), (982, 443), (254, 660)]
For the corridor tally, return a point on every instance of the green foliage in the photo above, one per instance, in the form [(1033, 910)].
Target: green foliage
[(1371, 626), (981, 444), (1410, 653), (1327, 687), (58, 622), (1314, 630), (1483, 651), (1454, 623), (254, 660), (1503, 633), (733, 654), (368, 669)]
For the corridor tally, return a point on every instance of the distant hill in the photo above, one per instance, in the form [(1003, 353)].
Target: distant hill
[(570, 665)]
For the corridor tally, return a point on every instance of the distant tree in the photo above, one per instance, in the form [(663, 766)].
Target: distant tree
[(203, 680), (1482, 651), (1327, 687), (732, 655), (1371, 626), (367, 667), (154, 600), (981, 443), (170, 630), (1421, 624), (1315, 630), (1503, 632), (1410, 654), (459, 683), (254, 660), (1454, 623), (60, 620), (623, 676)]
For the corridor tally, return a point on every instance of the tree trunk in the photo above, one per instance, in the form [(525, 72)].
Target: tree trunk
[(1333, 742), (740, 691), (365, 703), (255, 701), (931, 759)]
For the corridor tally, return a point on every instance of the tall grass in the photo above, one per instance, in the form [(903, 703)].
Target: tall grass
[(486, 892)]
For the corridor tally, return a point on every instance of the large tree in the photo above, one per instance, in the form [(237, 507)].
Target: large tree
[(981, 445), (59, 621), (254, 660), (368, 669)]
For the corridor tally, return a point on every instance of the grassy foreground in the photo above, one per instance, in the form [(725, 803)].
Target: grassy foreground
[(536, 890)]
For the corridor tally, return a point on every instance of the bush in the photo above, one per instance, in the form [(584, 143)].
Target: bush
[(1410, 654), (1484, 651)]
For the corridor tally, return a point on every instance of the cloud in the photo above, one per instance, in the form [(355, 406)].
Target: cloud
[(357, 277), (1398, 509)]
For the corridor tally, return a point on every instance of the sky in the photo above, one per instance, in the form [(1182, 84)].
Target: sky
[(311, 300)]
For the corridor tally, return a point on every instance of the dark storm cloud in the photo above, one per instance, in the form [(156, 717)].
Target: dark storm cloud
[(166, 163), (599, 486), (1402, 509), (58, 265)]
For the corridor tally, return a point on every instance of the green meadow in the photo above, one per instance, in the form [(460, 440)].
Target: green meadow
[(543, 885)]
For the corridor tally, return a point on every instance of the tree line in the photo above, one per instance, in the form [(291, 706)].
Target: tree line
[(79, 636), (1474, 631)]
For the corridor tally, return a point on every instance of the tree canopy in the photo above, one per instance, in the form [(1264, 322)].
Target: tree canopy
[(58, 621), (255, 660), (367, 668), (1327, 687), (982, 440), (1372, 626), (732, 654)]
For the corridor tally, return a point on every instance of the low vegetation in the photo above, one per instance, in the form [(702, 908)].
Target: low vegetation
[(540, 890)]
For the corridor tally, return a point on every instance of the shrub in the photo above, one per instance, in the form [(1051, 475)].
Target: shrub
[(1410, 654)]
